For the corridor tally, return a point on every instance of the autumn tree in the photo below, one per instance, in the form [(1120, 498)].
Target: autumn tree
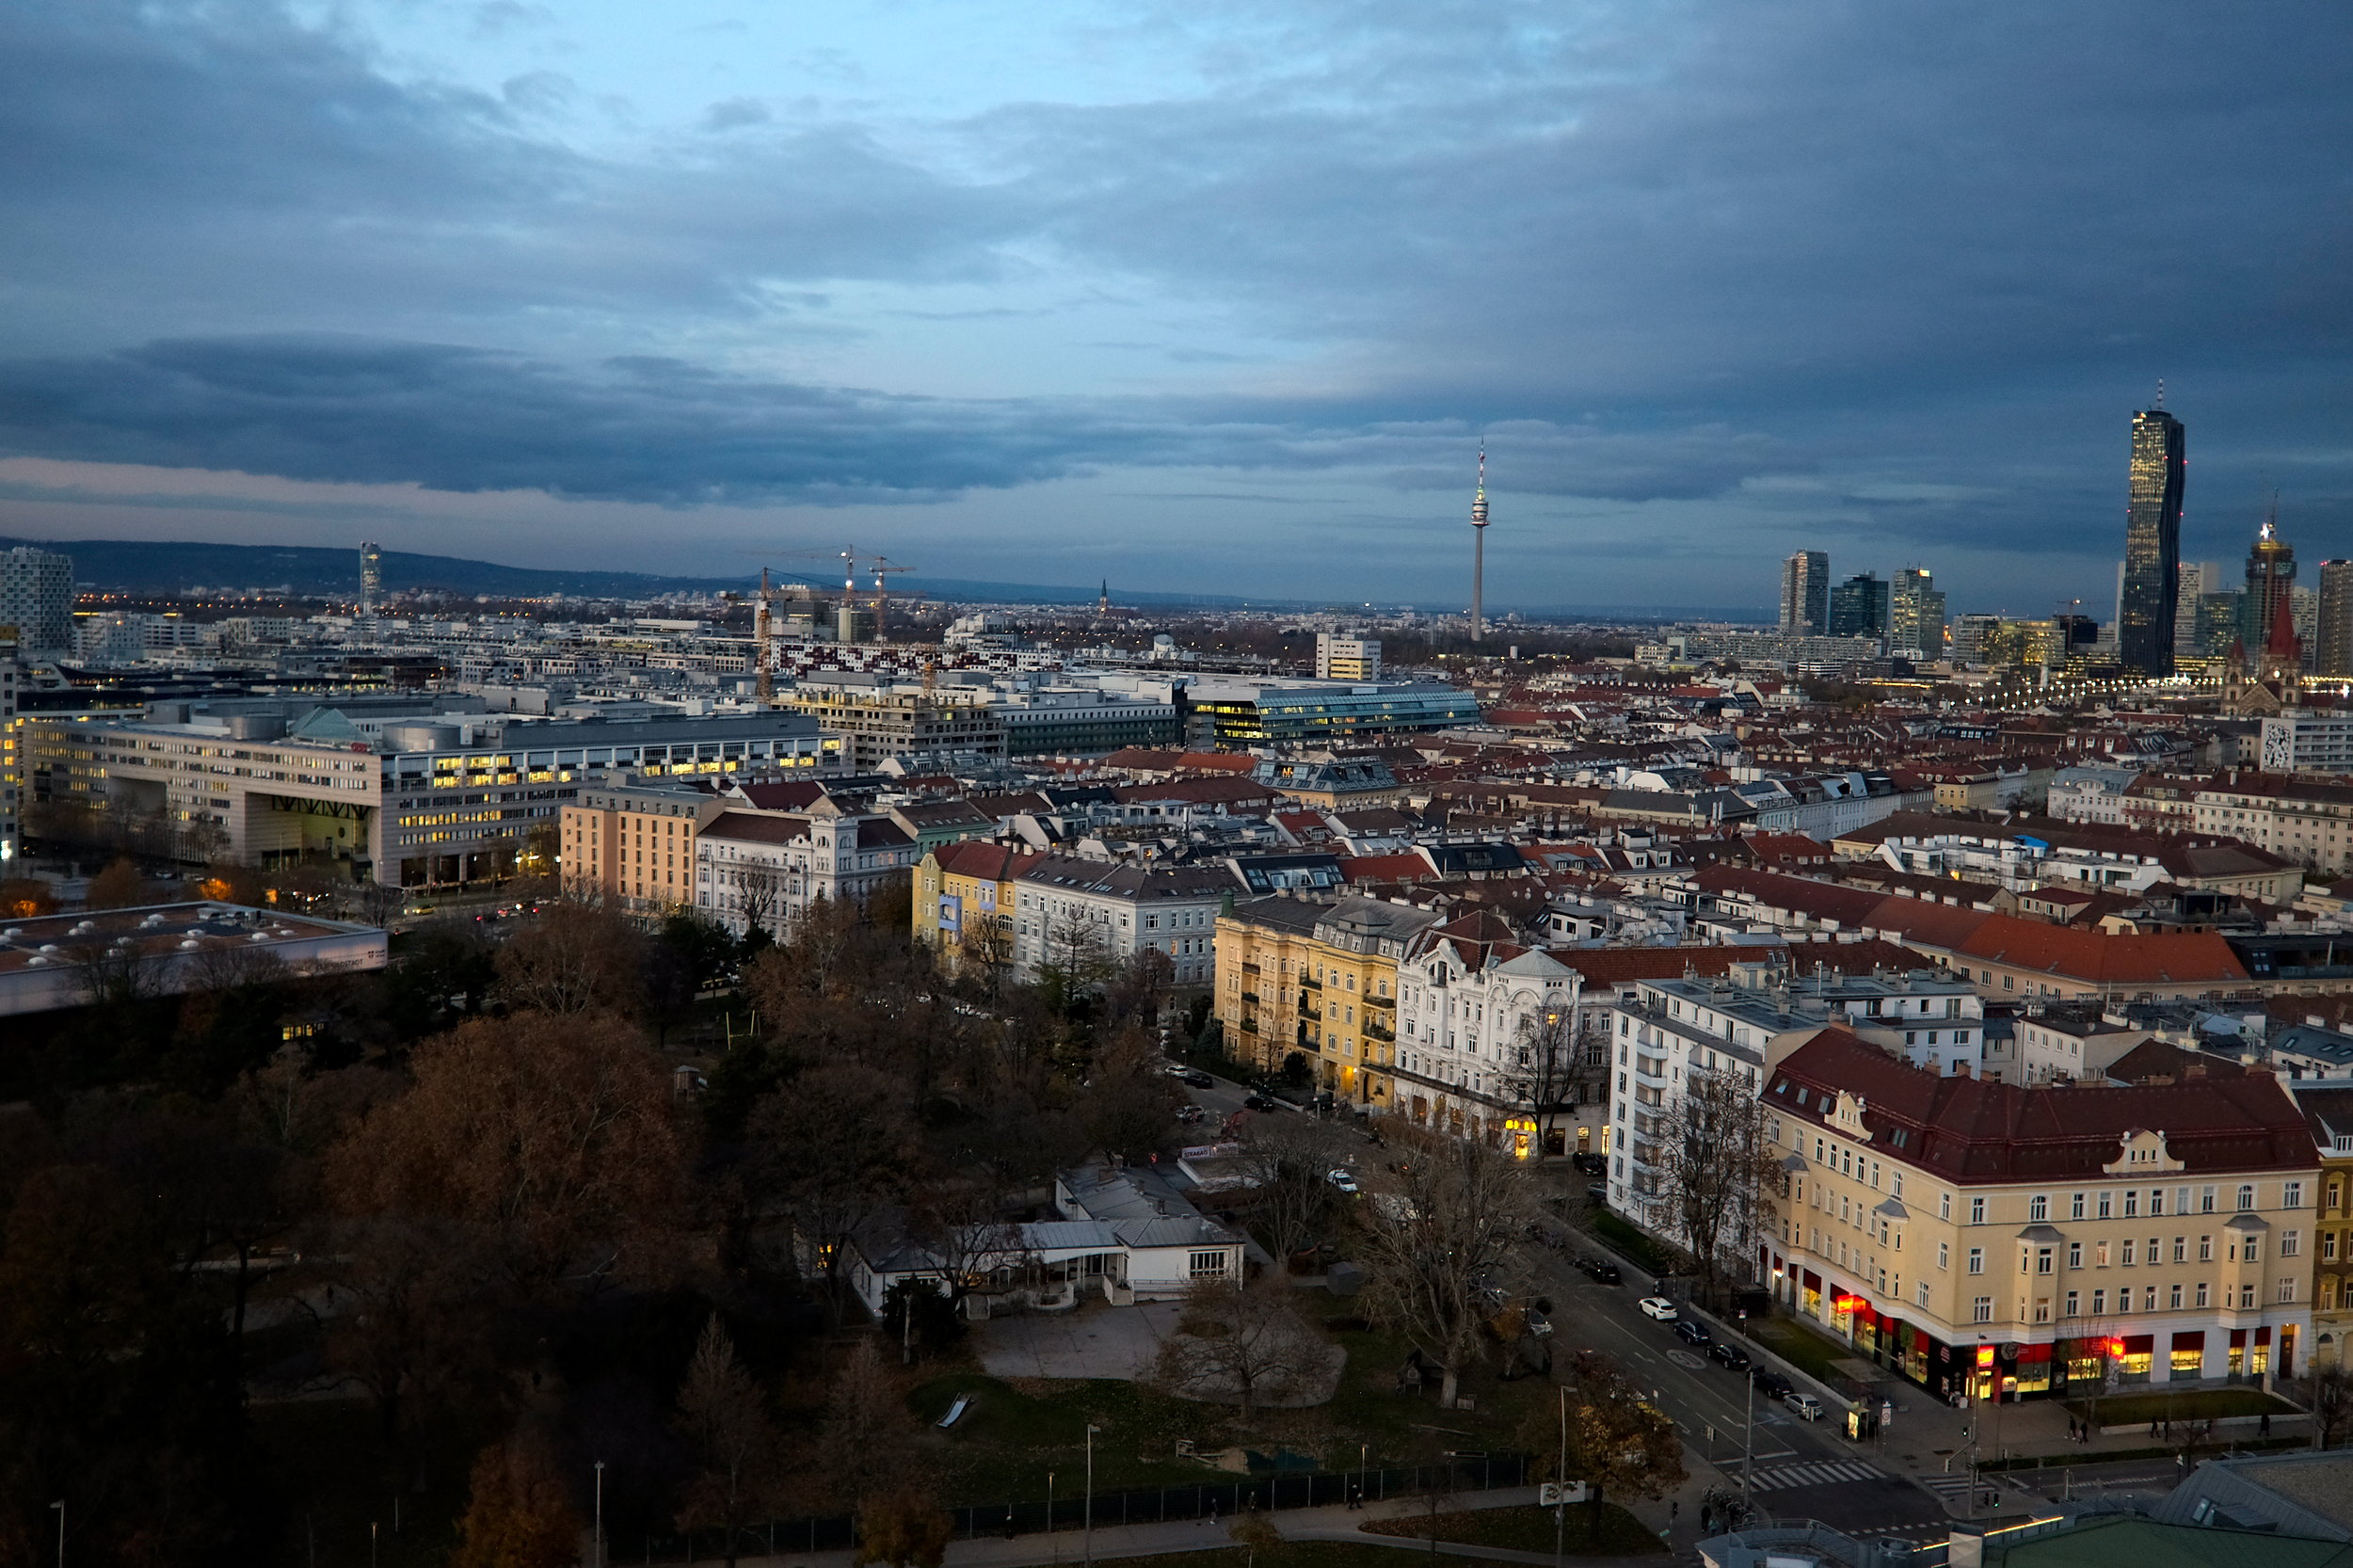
[(517, 1513), (1619, 1442), (570, 959), (905, 1527), (1243, 1340), (1073, 959), (866, 1439), (724, 1418), (119, 887), (1718, 1174), (1444, 1224), (551, 1137)]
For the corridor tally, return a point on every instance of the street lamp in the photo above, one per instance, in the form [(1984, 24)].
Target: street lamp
[(600, 1533), (1088, 1529), (59, 1506)]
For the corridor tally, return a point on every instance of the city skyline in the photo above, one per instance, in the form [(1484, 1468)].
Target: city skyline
[(1021, 298)]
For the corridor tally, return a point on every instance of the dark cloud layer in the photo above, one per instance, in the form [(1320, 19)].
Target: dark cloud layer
[(1895, 271)]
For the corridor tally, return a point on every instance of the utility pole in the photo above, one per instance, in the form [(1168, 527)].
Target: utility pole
[(600, 1531), (1747, 1421), (59, 1506)]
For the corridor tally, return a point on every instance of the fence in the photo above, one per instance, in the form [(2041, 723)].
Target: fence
[(1206, 1499)]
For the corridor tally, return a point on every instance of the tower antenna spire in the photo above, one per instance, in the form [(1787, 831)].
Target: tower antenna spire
[(2160, 392), (1479, 550)]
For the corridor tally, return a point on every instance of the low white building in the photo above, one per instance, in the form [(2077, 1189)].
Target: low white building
[(1126, 1235), (766, 868), (2090, 795)]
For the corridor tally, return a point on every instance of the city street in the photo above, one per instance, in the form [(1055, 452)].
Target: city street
[(1802, 1470)]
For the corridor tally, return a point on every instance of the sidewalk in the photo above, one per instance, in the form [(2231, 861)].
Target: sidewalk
[(1200, 1535)]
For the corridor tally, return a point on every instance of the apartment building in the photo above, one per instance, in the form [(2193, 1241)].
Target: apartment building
[(1295, 975), (1677, 1026), (632, 844), (1067, 907), (2299, 820), (2017, 1242), (1473, 1002), (964, 901), (765, 869), (877, 724), (2328, 1107)]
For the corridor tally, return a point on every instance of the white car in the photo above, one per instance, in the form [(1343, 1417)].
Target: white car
[(1658, 1307), (1807, 1405), (1343, 1180)]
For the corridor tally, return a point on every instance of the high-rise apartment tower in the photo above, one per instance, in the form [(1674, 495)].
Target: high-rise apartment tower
[(1915, 614), (370, 577), (1858, 607), (37, 598), (2334, 655), (2153, 543), (1805, 593)]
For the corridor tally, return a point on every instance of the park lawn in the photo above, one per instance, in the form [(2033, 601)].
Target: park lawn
[(1800, 1346), (1633, 1243), (1020, 1429), (1294, 1554), (2190, 1404), (1530, 1530)]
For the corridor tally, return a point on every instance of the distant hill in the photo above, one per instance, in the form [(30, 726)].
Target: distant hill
[(144, 566)]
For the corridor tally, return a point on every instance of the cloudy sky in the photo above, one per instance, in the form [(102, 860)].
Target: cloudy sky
[(1199, 295)]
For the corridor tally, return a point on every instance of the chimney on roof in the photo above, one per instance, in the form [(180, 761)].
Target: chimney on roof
[(2194, 1070), (1964, 1069)]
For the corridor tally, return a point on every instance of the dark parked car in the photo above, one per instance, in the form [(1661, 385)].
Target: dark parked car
[(1691, 1333), (1599, 1270), (1728, 1358), (1591, 1164), (1598, 1192), (1769, 1383), (1256, 1102), (1200, 1080)]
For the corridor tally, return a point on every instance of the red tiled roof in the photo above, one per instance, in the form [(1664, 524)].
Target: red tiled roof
[(1385, 868), (1972, 1129), (2167, 959), (978, 859)]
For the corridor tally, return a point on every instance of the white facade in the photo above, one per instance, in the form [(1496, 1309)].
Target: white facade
[(768, 867), (1126, 910), (2309, 739), (1465, 1014), (2090, 795)]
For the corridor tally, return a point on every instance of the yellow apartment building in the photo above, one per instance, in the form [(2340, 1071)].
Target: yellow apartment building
[(1295, 975)]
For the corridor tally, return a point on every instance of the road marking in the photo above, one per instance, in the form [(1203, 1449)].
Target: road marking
[(1686, 1360), (1829, 1473)]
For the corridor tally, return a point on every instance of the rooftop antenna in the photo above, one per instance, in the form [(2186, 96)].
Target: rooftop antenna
[(2160, 392)]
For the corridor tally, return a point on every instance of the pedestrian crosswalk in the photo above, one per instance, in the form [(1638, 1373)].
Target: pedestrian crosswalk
[(1829, 1473), (1950, 1485)]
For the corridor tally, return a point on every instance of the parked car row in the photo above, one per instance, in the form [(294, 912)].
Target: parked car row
[(1766, 1381)]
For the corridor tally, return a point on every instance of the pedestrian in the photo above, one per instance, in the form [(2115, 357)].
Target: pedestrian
[(1707, 1520), (1355, 1499), (2265, 1429), (2070, 1429), (2152, 1426)]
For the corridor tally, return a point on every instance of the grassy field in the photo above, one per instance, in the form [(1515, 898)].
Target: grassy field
[(1297, 1554), (1020, 1429), (1530, 1529), (2190, 1404), (1632, 1242)]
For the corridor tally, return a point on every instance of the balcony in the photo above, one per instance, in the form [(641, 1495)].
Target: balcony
[(1375, 1029), (1311, 983), (1651, 1067), (1250, 1026), (1380, 1002), (1249, 966), (1250, 996)]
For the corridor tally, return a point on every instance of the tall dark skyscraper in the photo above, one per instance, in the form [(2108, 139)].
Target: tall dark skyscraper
[(1805, 593), (1858, 607), (2336, 618), (2153, 544)]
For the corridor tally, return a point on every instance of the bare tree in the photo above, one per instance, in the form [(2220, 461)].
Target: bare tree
[(1443, 1227), (1074, 958), (109, 973), (735, 1444), (831, 1151), (1240, 1340), (1288, 1160), (2329, 1385), (759, 891), (1719, 1175), (985, 949), (1546, 1067)]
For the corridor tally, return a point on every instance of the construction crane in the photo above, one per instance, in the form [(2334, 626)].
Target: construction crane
[(884, 571)]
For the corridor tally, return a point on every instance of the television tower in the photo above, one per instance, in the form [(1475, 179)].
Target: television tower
[(1479, 549)]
